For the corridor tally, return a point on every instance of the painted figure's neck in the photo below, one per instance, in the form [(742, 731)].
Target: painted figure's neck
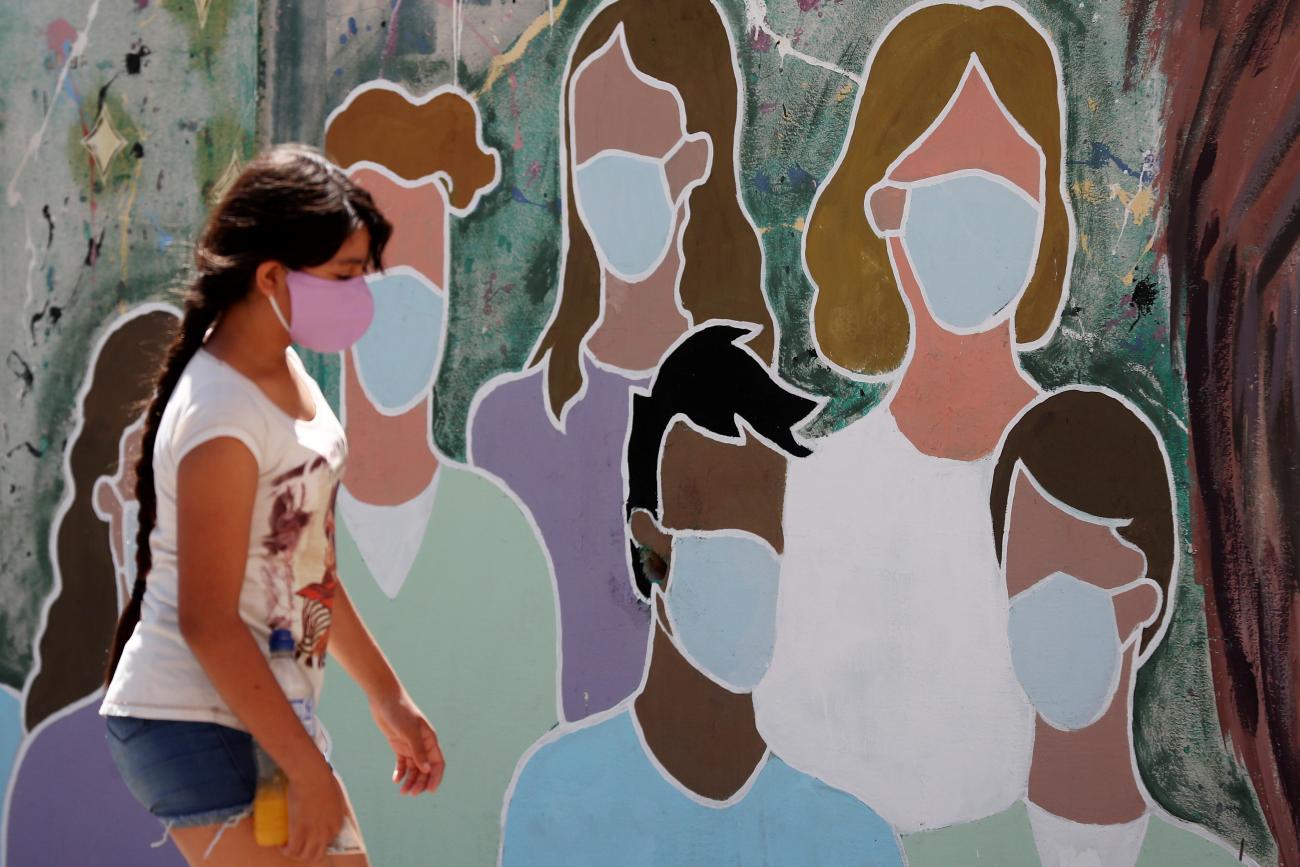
[(391, 460), (703, 735), (641, 320), (959, 392), (1088, 775)]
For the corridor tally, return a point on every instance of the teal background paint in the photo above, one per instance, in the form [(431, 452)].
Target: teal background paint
[(189, 108), (258, 72)]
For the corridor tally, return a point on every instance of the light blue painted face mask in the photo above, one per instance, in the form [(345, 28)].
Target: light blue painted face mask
[(625, 204), (397, 357), (972, 243), (1066, 649), (721, 603)]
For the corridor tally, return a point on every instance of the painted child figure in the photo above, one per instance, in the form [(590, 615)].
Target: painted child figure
[(679, 773), (1083, 523)]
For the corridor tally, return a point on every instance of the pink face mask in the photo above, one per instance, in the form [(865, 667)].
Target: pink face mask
[(328, 315)]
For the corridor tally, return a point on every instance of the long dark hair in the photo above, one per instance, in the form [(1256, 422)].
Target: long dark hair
[(290, 205)]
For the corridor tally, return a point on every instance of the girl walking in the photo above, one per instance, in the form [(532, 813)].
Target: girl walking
[(241, 459)]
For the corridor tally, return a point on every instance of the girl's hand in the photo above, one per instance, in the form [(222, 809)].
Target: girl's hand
[(316, 812), (415, 744)]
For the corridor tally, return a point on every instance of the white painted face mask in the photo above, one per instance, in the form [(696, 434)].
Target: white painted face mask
[(972, 242), (1066, 648), (721, 603)]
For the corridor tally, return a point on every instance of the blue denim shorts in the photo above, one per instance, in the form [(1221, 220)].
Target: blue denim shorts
[(188, 774)]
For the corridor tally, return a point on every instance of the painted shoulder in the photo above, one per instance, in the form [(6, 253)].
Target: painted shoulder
[(583, 758), (1169, 841), (496, 410), (844, 826)]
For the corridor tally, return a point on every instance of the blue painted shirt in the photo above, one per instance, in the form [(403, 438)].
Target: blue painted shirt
[(592, 796)]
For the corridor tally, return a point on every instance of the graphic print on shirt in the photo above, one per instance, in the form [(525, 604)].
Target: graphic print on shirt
[(318, 598), (299, 576)]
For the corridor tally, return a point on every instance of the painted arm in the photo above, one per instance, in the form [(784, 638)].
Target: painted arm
[(216, 486), (420, 763)]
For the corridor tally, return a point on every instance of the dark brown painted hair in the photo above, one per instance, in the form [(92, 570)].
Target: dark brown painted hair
[(685, 43), (79, 623), (291, 206), (1089, 450)]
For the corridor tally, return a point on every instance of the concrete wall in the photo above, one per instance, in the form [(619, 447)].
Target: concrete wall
[(557, 376)]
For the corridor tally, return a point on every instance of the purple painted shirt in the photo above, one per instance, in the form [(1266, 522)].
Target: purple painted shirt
[(572, 482), (70, 805)]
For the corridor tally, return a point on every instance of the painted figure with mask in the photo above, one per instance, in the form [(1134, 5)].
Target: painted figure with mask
[(442, 561), (67, 804), (655, 239), (1082, 510), (941, 247), (679, 773)]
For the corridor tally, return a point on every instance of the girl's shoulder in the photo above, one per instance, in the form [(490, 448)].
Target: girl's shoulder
[(212, 400)]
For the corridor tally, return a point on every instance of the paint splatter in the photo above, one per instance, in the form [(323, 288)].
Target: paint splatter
[(1100, 156), (1139, 204), (45, 212), (93, 246), (22, 370), (1143, 299), (760, 40), (800, 179), (135, 58), (59, 36)]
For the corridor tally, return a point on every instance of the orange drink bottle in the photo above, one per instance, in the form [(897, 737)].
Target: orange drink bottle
[(271, 800)]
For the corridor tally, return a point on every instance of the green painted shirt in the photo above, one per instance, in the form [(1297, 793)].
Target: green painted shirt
[(472, 636), (1007, 840)]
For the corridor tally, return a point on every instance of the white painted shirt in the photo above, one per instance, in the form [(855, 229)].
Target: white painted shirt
[(892, 676)]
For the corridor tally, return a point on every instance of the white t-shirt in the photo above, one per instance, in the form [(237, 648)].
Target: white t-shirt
[(892, 675), (290, 577)]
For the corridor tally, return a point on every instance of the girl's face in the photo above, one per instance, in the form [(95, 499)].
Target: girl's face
[(349, 263)]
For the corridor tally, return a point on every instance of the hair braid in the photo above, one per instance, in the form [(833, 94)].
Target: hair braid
[(202, 309)]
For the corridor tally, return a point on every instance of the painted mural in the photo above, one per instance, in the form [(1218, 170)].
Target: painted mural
[(791, 431)]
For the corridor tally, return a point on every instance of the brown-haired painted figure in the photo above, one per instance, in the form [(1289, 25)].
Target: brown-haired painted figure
[(1083, 519), (66, 803), (436, 554), (94, 579), (655, 238)]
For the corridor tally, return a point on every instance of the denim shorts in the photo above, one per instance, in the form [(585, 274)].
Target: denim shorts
[(188, 774)]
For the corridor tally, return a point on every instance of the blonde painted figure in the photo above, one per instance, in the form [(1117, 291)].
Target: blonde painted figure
[(940, 248)]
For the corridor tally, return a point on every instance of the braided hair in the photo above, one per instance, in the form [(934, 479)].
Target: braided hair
[(290, 205)]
